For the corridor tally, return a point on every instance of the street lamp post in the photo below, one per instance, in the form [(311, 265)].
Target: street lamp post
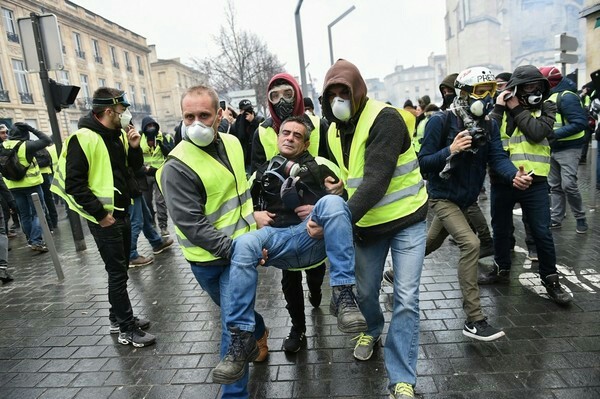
[(338, 19), (300, 46)]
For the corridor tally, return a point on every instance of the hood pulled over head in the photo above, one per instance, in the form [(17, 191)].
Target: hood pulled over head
[(344, 73)]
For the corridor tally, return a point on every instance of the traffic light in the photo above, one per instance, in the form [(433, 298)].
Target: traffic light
[(62, 95)]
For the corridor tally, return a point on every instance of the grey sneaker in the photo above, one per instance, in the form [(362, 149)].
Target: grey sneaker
[(39, 247), (137, 338), (555, 290), (363, 350), (582, 226), (343, 305), (139, 323), (164, 232), (242, 350)]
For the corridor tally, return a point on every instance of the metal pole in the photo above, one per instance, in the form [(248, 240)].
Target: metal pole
[(338, 19), (47, 235), (74, 218), (594, 178), (300, 47)]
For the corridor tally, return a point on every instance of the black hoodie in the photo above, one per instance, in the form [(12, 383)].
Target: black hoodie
[(76, 176)]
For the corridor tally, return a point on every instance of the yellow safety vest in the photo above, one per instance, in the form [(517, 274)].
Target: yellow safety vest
[(268, 139), (560, 121), (152, 156), (100, 175), (406, 191), (420, 133), (532, 156), (33, 176), (228, 211)]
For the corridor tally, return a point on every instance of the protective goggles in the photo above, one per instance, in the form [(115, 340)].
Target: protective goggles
[(121, 99), (282, 91), (483, 90)]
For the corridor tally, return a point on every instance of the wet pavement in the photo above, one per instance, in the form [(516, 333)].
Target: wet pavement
[(54, 340)]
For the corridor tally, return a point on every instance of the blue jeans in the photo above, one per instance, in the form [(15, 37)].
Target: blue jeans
[(290, 248), (215, 281), (29, 220), (141, 220), (402, 342), (536, 211)]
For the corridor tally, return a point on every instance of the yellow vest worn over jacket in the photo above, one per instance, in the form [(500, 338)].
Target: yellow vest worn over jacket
[(406, 192), (152, 156), (532, 156), (33, 177), (100, 174), (225, 210), (559, 121), (268, 139)]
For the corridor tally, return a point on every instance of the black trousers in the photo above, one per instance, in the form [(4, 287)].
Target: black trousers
[(291, 283), (113, 244), (52, 215)]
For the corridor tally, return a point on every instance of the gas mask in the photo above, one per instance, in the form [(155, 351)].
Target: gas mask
[(151, 131), (341, 109), (280, 179), (198, 133), (480, 107), (283, 109), (532, 99)]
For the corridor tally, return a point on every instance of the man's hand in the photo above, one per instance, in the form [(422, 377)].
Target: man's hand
[(510, 103), (303, 211), (332, 186), (263, 218), (314, 230), (522, 179), (265, 257), (133, 137), (107, 221), (462, 141)]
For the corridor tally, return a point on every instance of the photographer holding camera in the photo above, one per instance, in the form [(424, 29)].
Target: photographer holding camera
[(457, 146), (244, 127)]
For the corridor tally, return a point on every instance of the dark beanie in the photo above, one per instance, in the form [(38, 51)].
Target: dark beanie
[(408, 103), (504, 76), (449, 81), (308, 103)]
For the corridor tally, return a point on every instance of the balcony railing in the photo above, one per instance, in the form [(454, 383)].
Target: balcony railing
[(115, 64), (98, 59), (12, 37), (80, 54), (4, 96), (141, 108), (26, 98), (84, 104)]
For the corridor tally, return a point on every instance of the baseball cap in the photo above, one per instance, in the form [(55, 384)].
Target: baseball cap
[(245, 105), (308, 103)]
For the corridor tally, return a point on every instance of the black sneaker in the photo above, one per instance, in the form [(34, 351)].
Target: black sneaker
[(486, 249), (388, 277), (555, 290), (315, 298), (294, 341), (242, 350), (532, 255), (137, 338), (481, 331), (495, 276), (554, 225), (5, 276), (139, 323), (343, 305)]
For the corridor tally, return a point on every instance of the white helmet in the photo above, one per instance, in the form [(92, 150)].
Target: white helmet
[(470, 78)]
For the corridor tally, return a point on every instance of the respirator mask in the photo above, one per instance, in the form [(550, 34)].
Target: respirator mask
[(198, 133)]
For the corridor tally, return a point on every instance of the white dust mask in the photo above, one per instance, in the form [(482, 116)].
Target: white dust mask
[(341, 109), (199, 133)]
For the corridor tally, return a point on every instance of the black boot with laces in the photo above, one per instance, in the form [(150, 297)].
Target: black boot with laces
[(242, 350)]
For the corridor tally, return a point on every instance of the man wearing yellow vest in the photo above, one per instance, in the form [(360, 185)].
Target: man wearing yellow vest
[(570, 128), (207, 195), (284, 100), (31, 183), (93, 179), (388, 202), (156, 145), (527, 124)]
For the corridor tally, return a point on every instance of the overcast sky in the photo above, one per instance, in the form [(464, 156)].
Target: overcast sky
[(376, 36)]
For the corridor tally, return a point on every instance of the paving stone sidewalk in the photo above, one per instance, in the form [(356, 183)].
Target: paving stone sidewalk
[(54, 339)]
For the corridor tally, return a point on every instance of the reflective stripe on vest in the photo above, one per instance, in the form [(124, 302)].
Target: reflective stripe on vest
[(532, 156), (152, 156), (33, 176), (560, 121), (100, 174), (406, 191), (268, 139), (229, 213)]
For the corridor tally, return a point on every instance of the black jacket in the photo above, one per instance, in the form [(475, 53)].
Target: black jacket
[(77, 167)]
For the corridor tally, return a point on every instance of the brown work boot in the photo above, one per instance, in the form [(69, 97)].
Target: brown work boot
[(263, 348)]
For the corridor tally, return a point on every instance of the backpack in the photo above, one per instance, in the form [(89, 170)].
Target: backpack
[(43, 158), (10, 167)]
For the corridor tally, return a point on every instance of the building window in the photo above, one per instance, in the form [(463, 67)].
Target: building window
[(63, 77), (139, 64), (3, 93), (113, 57), (144, 96), (85, 86), (22, 84), (127, 63), (597, 25), (118, 86), (131, 95), (96, 48), (9, 25), (101, 82), (78, 46)]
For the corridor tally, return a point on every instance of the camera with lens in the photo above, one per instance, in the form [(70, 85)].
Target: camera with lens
[(478, 136)]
